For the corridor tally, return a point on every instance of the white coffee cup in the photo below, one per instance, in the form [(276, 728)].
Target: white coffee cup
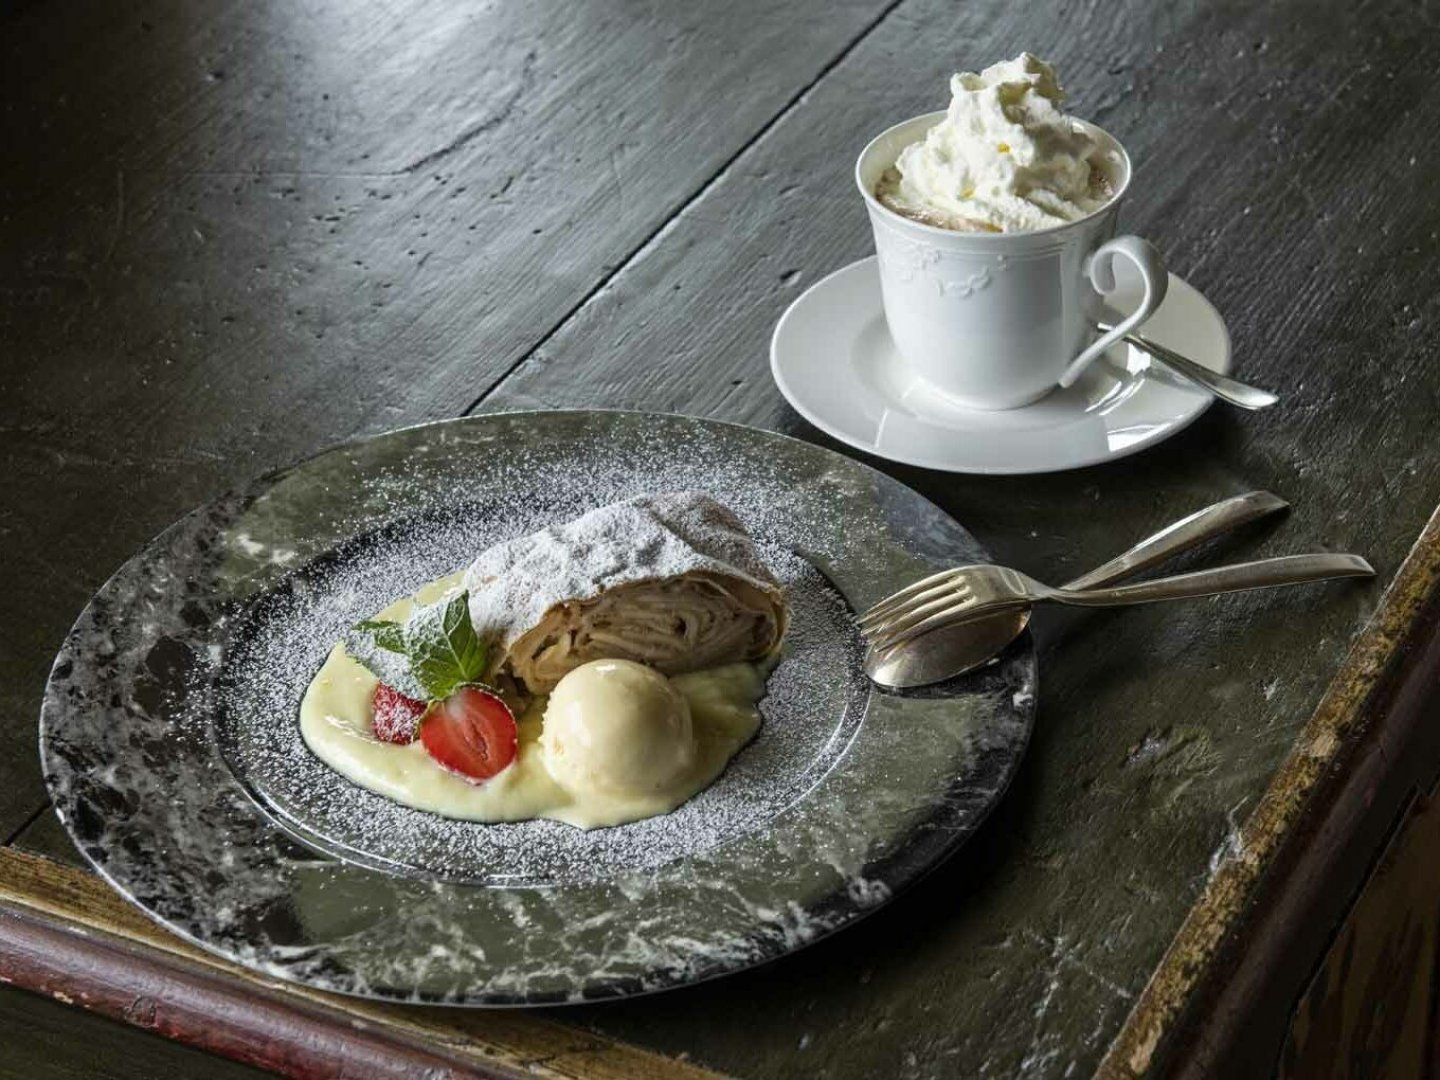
[(998, 320)]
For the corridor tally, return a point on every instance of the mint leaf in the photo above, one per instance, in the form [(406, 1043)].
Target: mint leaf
[(387, 635), (445, 652), (380, 646), (434, 653)]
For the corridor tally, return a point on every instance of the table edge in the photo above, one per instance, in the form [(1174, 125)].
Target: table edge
[(64, 933), (1323, 750)]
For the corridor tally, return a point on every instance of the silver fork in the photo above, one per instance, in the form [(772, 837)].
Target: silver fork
[(970, 592), (966, 646)]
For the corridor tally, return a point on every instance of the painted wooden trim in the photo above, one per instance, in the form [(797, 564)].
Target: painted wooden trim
[(1370, 1008), (1314, 882), (183, 1000), (1308, 787), (65, 933)]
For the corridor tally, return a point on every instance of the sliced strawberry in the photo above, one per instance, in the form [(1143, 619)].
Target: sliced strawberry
[(472, 732), (394, 715)]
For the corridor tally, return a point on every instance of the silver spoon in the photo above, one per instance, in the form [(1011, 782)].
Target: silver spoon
[(946, 653), (1222, 386)]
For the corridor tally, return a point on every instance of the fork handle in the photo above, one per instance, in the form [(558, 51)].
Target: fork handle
[(1261, 574), (1181, 536)]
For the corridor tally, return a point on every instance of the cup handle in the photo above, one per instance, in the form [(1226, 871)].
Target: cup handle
[(1101, 271)]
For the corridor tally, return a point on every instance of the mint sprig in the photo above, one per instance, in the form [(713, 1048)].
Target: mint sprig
[(389, 636), (429, 656), (445, 652)]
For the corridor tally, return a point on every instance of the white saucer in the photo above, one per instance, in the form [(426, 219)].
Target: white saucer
[(833, 359)]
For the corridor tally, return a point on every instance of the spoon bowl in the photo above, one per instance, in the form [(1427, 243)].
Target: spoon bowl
[(953, 650)]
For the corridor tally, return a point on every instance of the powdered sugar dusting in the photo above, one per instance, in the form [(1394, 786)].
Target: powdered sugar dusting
[(651, 537), (814, 698)]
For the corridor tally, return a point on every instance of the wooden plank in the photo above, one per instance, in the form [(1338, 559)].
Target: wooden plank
[(66, 933), (45, 1038), (175, 1000), (1371, 1007), (1159, 729), (1221, 999), (241, 232)]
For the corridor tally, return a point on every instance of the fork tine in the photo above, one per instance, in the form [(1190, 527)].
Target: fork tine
[(918, 613), (901, 595), (910, 604), (890, 638)]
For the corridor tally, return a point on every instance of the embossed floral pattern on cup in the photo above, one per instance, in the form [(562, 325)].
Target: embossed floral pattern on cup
[(998, 320)]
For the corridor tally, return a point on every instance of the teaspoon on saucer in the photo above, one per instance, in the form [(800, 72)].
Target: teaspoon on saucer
[(1223, 387), (954, 650)]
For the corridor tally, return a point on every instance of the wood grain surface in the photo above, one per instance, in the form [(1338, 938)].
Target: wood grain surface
[(241, 232), (239, 244), (1158, 728), (1231, 979)]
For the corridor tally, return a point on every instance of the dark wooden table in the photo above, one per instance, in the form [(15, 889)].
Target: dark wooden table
[(232, 234)]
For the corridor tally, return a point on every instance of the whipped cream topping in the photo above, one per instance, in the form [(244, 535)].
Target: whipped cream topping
[(1006, 158)]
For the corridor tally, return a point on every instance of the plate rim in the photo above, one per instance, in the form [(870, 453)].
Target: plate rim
[(908, 876)]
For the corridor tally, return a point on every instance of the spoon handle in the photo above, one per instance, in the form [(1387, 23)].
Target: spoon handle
[(1225, 388), (1181, 536), (1261, 574)]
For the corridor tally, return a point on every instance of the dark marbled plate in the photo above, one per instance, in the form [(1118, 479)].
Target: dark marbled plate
[(169, 732)]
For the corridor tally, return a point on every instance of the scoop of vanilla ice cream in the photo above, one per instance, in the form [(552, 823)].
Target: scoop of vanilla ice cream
[(616, 727), (1006, 158)]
